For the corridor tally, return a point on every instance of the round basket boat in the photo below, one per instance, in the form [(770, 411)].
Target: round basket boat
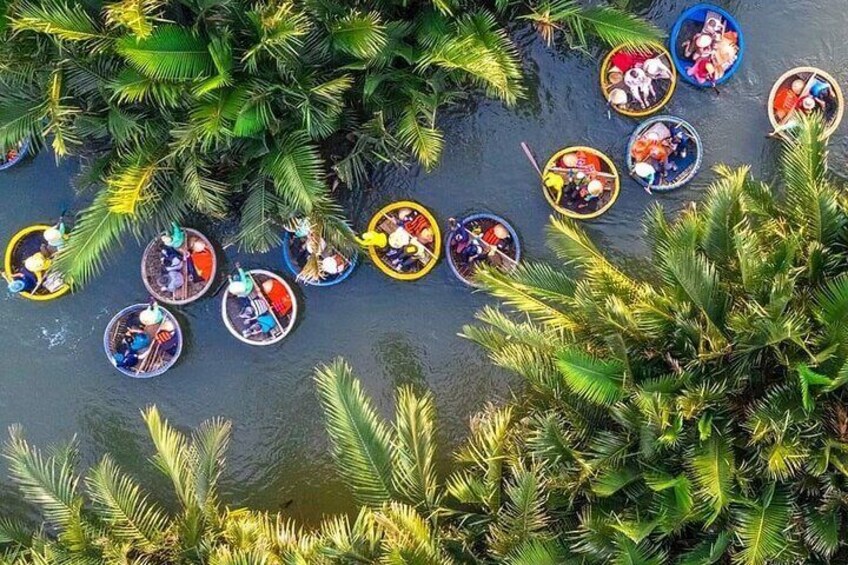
[(783, 102), (159, 355), (294, 248), (690, 23), (593, 165), (232, 308), (625, 60), (23, 244), (388, 259), (14, 156), (193, 287), (673, 138), (478, 231)]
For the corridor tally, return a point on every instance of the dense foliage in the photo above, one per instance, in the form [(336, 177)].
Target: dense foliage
[(697, 414), (231, 107)]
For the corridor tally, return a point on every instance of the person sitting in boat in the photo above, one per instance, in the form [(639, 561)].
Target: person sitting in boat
[(55, 237), (262, 324), (641, 86), (174, 239), (240, 285), (679, 141), (171, 281), (152, 315), (200, 261), (332, 265), (167, 338), (30, 276), (278, 296), (647, 173)]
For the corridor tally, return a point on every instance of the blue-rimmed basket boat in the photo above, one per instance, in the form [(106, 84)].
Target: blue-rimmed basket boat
[(231, 308), (21, 152), (689, 23), (157, 361), (292, 246), (506, 258), (687, 167)]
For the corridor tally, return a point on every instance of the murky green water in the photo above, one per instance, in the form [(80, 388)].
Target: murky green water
[(55, 380)]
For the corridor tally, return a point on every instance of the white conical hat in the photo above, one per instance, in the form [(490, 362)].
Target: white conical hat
[(330, 266), (643, 169), (399, 238)]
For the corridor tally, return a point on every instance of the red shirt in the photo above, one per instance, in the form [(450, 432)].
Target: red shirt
[(279, 298)]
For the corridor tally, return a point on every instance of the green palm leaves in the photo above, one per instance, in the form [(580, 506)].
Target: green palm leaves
[(701, 399)]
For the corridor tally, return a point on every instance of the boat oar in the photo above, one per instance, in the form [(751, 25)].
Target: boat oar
[(570, 169), (412, 237), (261, 293), (489, 245), (532, 159)]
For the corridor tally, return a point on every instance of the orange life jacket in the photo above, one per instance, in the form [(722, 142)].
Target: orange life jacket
[(279, 298), (203, 262)]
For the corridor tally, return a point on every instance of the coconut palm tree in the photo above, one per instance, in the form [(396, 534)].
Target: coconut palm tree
[(695, 414), (233, 108)]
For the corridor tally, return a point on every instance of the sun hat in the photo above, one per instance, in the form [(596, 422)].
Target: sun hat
[(808, 103), (798, 86), (151, 315), (617, 97), (569, 160), (53, 236), (197, 246), (703, 41), (501, 231), (16, 286), (398, 238), (426, 235), (404, 212), (167, 326), (237, 288), (595, 188), (330, 266), (36, 262), (643, 170)]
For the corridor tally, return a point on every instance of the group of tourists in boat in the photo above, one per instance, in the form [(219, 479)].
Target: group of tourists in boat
[(403, 239)]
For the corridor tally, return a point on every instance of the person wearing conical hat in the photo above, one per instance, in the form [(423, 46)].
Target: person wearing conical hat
[(152, 315), (55, 236), (175, 238)]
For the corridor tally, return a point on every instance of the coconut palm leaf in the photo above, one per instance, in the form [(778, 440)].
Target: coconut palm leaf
[(204, 194), (698, 281), (713, 466), (360, 34), (708, 552), (523, 517), (135, 15), (97, 234), (594, 380), (361, 441), (170, 53), (279, 30), (131, 185), (760, 528), (414, 451), (16, 532), (417, 130), (172, 456), (20, 119), (618, 28), (51, 483), (407, 536), (486, 450), (296, 168), (119, 502), (536, 552), (823, 533), (258, 225), (58, 19), (206, 458)]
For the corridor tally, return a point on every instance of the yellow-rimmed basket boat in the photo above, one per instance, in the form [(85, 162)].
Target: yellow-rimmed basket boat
[(594, 165), (832, 115), (663, 88), (22, 245), (387, 221)]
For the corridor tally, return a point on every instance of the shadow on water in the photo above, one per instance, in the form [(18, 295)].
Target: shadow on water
[(56, 381)]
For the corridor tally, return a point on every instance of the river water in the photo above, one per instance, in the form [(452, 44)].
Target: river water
[(55, 381)]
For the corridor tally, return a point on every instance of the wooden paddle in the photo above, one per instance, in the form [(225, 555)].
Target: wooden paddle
[(261, 293), (489, 245), (568, 170), (412, 237), (532, 159)]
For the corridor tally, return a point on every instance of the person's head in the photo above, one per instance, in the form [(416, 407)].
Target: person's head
[(196, 245), (398, 239), (404, 213), (500, 231), (15, 286), (163, 280), (595, 188), (119, 357), (653, 67), (150, 316), (52, 235), (36, 263), (426, 236), (267, 286), (614, 75), (797, 86), (618, 97), (636, 75), (808, 103), (167, 326), (166, 239)]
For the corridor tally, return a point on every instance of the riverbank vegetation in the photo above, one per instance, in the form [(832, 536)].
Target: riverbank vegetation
[(253, 111), (692, 414)]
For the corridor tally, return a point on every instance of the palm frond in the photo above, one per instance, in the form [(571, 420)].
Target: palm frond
[(618, 28), (595, 380), (172, 454), (523, 517), (761, 526), (713, 466), (419, 133), (296, 167), (119, 502), (823, 532), (414, 451), (170, 53), (258, 226), (361, 440), (536, 552), (360, 34), (708, 552), (135, 15), (206, 458), (58, 19)]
